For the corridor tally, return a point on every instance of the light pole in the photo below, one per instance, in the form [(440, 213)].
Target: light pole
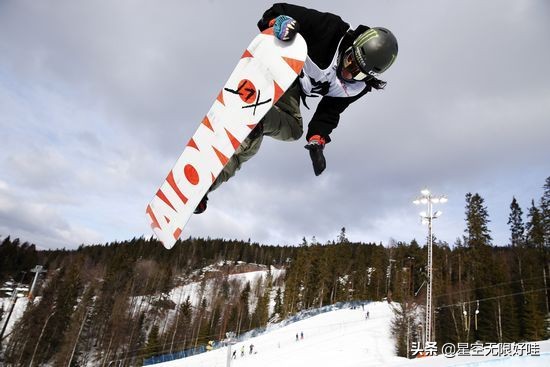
[(427, 217)]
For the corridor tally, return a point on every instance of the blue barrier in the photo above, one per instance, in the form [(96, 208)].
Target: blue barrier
[(173, 356)]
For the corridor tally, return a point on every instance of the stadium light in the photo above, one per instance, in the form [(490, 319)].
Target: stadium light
[(427, 218)]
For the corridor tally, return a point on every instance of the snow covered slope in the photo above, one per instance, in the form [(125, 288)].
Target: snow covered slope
[(18, 310), (194, 292), (342, 338)]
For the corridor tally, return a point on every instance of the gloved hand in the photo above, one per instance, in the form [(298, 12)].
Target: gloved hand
[(315, 145), (284, 27)]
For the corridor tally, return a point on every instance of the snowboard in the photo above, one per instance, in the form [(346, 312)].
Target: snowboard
[(266, 69)]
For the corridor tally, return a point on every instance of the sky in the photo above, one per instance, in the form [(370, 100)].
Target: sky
[(98, 99)]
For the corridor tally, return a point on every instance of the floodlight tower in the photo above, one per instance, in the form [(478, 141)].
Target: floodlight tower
[(427, 217)]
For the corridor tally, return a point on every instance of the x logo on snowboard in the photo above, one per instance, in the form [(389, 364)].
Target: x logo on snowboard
[(247, 92)]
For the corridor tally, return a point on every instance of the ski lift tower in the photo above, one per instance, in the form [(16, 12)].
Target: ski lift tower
[(229, 340), (37, 269), (427, 217)]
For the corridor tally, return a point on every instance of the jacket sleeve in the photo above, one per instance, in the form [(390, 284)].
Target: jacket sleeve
[(310, 19), (322, 31), (326, 117)]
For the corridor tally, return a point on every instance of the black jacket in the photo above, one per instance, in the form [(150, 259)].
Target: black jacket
[(322, 33)]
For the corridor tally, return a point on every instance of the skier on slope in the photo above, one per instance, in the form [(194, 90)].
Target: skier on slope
[(342, 65)]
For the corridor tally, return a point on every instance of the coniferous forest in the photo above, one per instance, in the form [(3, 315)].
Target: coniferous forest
[(109, 303)]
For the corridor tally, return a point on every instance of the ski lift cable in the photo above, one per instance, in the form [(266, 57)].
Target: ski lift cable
[(492, 298), (489, 286)]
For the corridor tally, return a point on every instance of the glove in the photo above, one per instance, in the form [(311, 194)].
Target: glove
[(284, 27), (315, 145)]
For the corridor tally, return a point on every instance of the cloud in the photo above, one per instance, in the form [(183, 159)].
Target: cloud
[(98, 101), (39, 223)]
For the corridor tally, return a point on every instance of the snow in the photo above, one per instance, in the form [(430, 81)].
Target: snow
[(525, 361), (18, 311), (192, 290), (206, 287), (342, 338)]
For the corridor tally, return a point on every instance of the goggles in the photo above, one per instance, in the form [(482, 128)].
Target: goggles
[(350, 68)]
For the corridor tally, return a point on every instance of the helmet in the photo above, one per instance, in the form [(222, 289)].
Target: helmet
[(375, 50)]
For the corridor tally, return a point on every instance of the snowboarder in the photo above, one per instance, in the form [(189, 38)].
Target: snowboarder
[(297, 337), (251, 349), (342, 65), (234, 354), (242, 351), (302, 335)]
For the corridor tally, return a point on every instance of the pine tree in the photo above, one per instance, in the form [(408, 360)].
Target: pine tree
[(477, 218), (481, 268), (517, 228), (244, 313), (537, 303), (76, 332), (533, 318), (203, 328), (278, 307), (261, 312), (403, 325), (535, 227), (342, 236), (311, 277), (180, 336), (545, 209), (405, 320), (153, 346), (515, 325), (294, 278), (38, 334)]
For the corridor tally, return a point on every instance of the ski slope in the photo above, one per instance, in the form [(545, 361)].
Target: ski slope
[(343, 338), (18, 310)]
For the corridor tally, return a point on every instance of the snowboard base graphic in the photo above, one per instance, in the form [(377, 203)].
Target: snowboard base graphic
[(265, 71)]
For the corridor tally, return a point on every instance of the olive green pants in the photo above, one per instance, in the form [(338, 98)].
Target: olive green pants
[(282, 122)]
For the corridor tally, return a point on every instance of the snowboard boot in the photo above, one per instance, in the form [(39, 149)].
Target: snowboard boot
[(202, 205)]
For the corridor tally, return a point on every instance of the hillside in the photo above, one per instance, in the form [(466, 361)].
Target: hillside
[(127, 302), (342, 338)]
